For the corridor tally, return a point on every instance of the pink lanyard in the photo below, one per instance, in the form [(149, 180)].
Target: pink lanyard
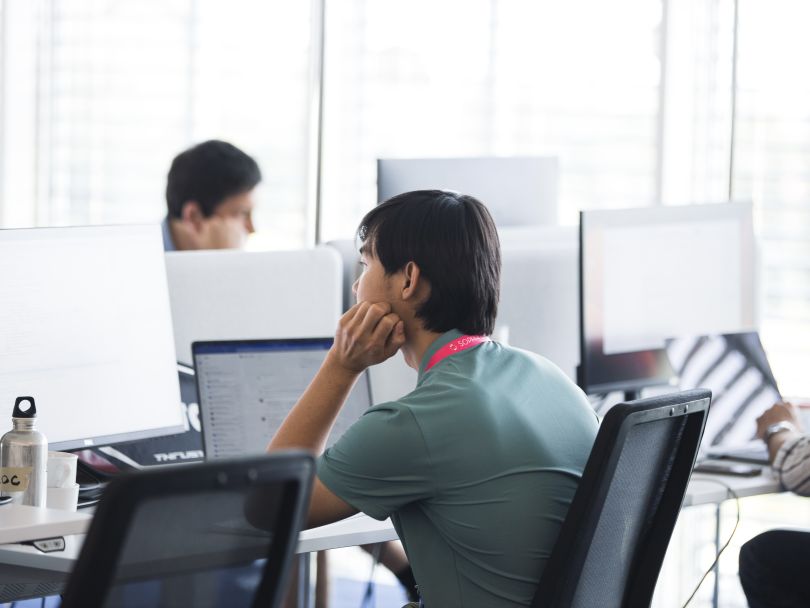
[(454, 347)]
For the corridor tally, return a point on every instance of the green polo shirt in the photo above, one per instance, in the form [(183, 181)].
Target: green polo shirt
[(476, 468)]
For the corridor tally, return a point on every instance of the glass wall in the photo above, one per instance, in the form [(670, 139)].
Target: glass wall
[(101, 94), (642, 102)]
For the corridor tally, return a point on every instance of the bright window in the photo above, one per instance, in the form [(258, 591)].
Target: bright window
[(112, 91), (488, 77)]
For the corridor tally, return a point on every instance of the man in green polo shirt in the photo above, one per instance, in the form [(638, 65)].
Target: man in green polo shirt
[(478, 465)]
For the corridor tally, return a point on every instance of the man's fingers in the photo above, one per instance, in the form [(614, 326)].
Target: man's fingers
[(368, 333), (395, 339), (383, 329), (375, 313), (355, 312)]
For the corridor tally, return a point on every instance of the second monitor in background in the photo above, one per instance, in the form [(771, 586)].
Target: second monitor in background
[(518, 191), (647, 275)]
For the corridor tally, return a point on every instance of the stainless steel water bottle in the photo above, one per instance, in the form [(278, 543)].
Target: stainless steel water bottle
[(23, 457)]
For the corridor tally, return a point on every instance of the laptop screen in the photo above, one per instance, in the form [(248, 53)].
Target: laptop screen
[(735, 368), (247, 388)]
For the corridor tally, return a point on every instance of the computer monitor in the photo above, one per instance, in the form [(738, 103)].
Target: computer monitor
[(85, 328), (247, 388), (647, 275), (518, 191)]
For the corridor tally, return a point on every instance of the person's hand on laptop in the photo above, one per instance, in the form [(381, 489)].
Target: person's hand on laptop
[(779, 412), (778, 424), (369, 333)]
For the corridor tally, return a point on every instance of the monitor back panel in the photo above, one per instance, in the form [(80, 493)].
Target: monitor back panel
[(228, 295), (247, 388), (518, 191)]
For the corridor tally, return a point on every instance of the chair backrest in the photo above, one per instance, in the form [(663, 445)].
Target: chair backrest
[(614, 538), (210, 534)]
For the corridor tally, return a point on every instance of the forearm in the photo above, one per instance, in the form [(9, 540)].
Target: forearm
[(777, 441), (308, 424), (791, 462), (367, 334)]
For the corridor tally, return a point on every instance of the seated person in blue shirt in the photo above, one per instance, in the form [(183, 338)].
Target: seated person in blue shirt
[(210, 199), (209, 195), (478, 465)]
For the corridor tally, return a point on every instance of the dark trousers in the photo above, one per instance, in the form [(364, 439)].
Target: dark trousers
[(775, 569)]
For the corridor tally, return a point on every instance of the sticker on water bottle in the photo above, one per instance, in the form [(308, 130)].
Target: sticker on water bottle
[(14, 479)]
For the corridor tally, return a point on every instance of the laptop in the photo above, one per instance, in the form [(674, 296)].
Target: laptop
[(736, 369), (247, 387)]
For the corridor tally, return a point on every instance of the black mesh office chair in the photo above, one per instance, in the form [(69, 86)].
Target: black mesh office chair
[(219, 533), (614, 538)]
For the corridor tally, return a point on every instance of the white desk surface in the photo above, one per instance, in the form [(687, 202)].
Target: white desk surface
[(361, 529), (710, 489), (357, 530), (20, 522)]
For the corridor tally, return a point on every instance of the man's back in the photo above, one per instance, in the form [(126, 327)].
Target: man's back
[(477, 467)]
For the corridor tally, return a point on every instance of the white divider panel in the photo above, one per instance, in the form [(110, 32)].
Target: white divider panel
[(223, 295), (539, 307)]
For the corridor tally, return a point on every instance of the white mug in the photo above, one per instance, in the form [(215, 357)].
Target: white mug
[(61, 469), (65, 499)]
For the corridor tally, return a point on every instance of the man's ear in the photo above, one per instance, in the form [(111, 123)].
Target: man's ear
[(192, 214), (413, 282)]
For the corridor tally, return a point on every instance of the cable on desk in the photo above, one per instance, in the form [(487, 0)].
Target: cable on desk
[(731, 494)]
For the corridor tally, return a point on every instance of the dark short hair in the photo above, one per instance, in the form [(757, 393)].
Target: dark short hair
[(453, 240), (208, 173)]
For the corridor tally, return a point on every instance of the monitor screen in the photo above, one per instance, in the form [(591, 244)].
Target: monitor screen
[(651, 274), (247, 388), (518, 191), (85, 328)]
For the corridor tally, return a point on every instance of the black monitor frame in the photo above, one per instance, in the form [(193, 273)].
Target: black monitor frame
[(631, 372), (592, 359)]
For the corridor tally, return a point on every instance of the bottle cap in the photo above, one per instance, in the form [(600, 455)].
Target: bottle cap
[(23, 409)]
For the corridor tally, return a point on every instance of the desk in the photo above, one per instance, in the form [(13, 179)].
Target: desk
[(358, 530), (25, 565), (706, 489)]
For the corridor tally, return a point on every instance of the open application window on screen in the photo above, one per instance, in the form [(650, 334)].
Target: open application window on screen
[(85, 328), (247, 388)]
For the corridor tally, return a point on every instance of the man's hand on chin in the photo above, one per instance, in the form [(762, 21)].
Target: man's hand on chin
[(368, 334)]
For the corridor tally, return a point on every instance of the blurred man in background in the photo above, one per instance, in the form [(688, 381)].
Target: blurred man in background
[(209, 196)]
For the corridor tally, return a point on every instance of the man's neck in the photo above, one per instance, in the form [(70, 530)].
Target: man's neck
[(182, 238), (414, 349)]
